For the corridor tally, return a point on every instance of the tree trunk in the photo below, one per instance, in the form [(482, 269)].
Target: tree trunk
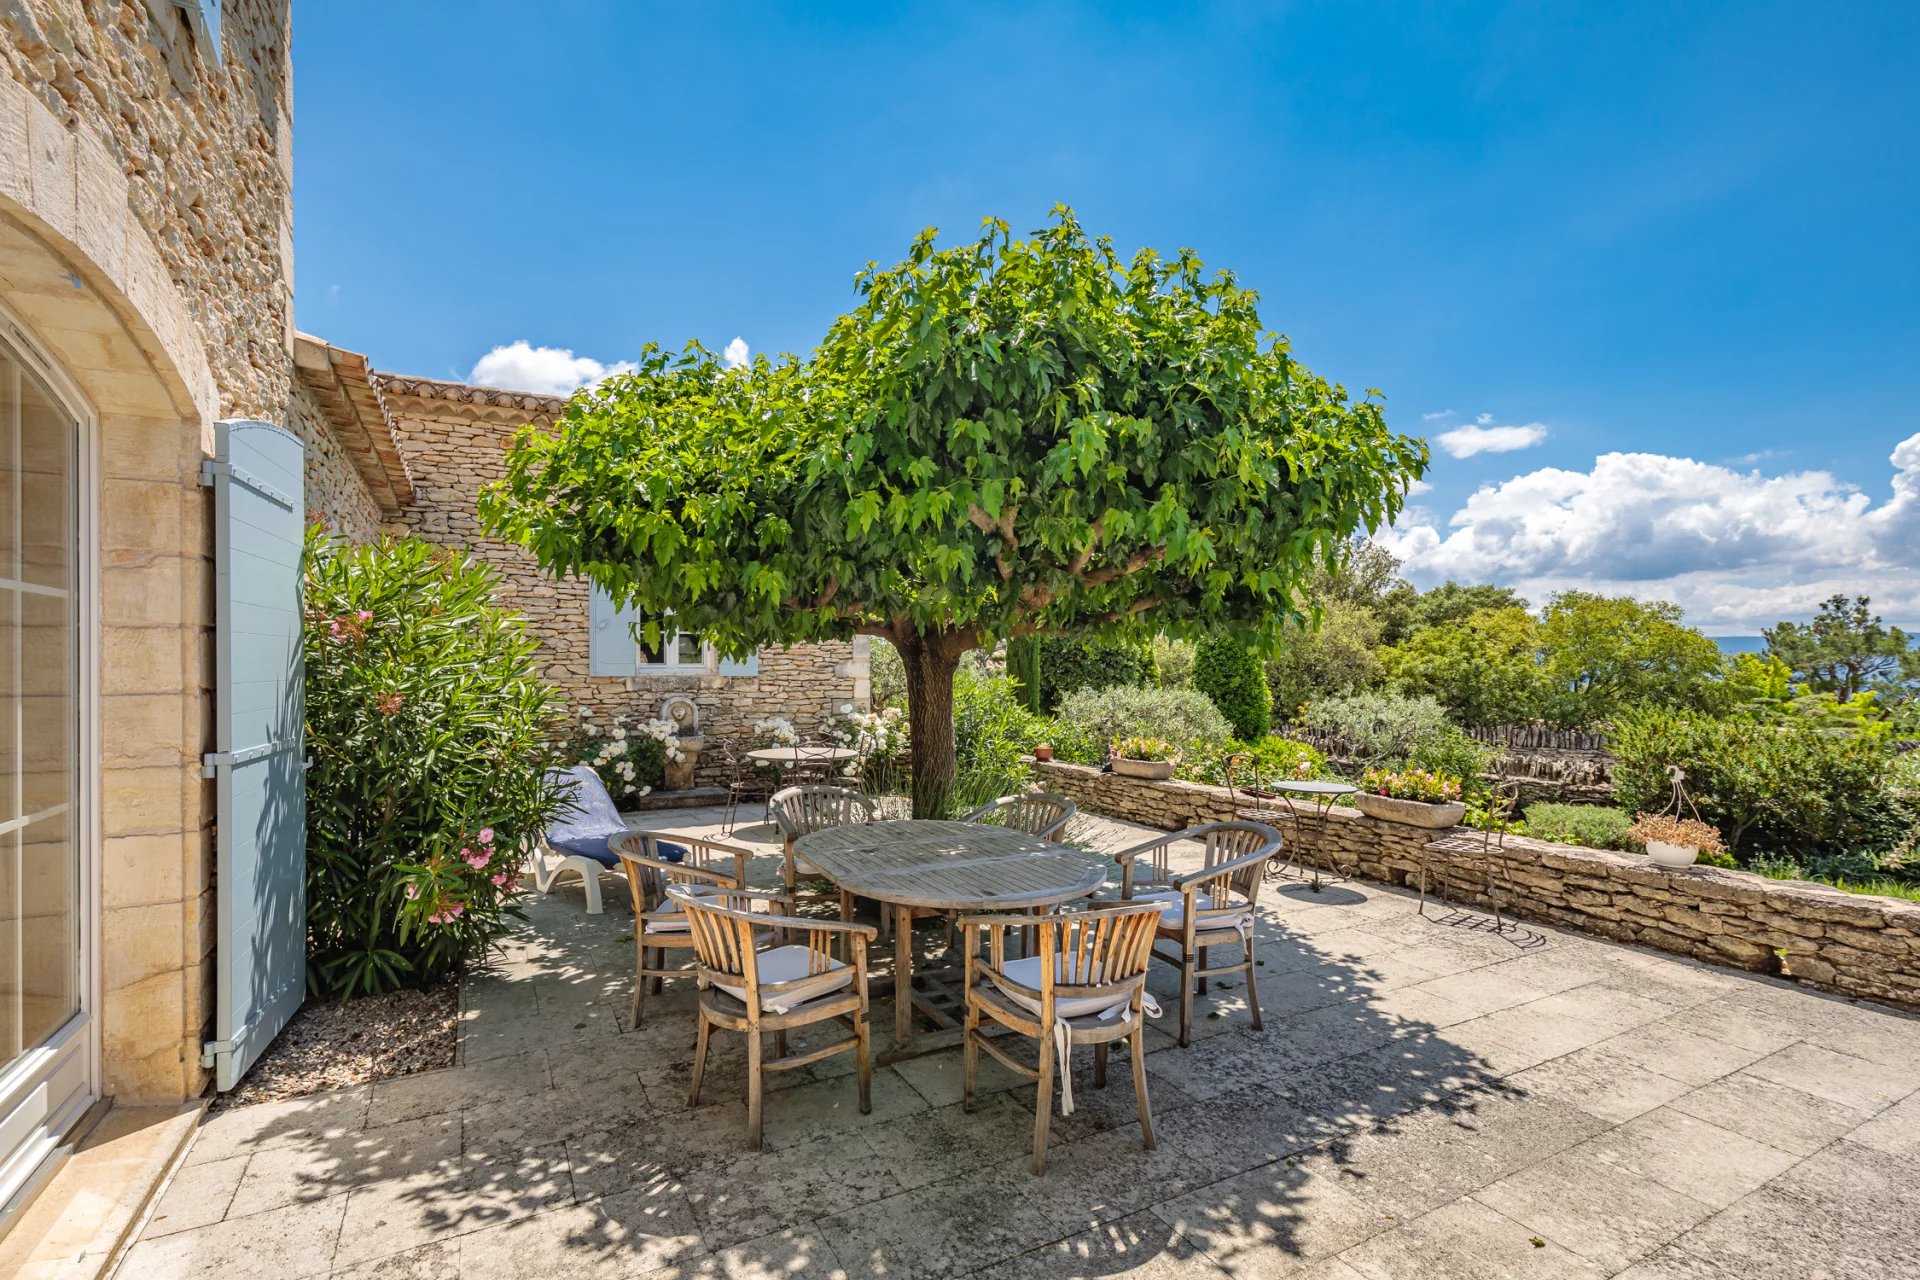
[(930, 662)]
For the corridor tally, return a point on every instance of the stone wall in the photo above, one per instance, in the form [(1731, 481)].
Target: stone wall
[(1850, 943), (454, 439), (335, 492), (206, 147), (145, 239)]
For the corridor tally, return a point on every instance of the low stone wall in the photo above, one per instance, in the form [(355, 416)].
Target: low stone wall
[(1849, 943)]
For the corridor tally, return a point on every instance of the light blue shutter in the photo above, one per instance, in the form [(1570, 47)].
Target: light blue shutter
[(261, 847), (612, 649), (747, 666)]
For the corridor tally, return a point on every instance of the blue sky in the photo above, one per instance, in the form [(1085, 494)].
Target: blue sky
[(1671, 248)]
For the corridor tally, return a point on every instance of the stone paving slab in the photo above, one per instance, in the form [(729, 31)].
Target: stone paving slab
[(1428, 1099)]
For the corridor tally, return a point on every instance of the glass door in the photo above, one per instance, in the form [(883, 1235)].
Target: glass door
[(44, 1063)]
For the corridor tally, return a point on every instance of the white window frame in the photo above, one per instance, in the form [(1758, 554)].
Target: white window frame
[(671, 662)]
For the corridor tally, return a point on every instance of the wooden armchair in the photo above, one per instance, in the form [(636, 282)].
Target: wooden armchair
[(1086, 983), (1208, 908), (811, 807), (1038, 813), (659, 925), (760, 992)]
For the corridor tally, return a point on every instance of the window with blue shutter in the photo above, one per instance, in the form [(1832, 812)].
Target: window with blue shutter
[(612, 649)]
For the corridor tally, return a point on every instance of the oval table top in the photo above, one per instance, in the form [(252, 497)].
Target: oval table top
[(801, 755), (954, 866)]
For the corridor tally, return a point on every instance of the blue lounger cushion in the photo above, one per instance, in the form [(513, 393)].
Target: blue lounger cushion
[(591, 819)]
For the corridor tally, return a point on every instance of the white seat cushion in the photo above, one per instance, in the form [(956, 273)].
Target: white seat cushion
[(669, 907), (784, 964), (1173, 911), (1027, 973)]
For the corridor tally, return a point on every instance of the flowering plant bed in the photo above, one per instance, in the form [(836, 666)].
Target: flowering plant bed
[(1143, 757), (630, 762), (1417, 797)]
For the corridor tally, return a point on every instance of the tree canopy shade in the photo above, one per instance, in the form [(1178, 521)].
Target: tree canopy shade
[(1007, 437)]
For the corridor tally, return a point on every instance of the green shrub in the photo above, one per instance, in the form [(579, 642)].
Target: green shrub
[(429, 730), (1098, 716), (1173, 662), (1594, 826), (1381, 727), (1270, 760), (1048, 668), (991, 731), (1230, 673), (1785, 787)]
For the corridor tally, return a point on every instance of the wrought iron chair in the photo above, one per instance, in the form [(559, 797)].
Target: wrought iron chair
[(1085, 984), (1202, 909), (744, 782), (655, 861), (760, 992)]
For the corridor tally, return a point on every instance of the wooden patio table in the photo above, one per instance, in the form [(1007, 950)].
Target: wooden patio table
[(946, 866)]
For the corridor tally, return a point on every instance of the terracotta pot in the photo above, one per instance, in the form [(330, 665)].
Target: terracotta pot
[(1671, 856), (1158, 770), (1043, 752), (1412, 813)]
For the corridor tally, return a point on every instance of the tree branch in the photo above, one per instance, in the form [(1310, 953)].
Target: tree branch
[(1135, 563)]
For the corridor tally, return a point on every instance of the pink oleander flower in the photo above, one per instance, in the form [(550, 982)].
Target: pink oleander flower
[(486, 835), (333, 628), (500, 879), (413, 892), (476, 860)]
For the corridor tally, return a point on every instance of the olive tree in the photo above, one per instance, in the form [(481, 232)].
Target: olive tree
[(1002, 438)]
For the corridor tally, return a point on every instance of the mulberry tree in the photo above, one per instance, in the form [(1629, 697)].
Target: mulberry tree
[(1002, 438)]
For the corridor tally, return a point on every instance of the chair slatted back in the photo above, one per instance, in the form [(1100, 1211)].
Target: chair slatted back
[(812, 807), (1038, 813), (724, 945), (707, 862)]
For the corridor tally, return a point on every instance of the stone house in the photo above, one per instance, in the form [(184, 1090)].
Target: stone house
[(147, 294)]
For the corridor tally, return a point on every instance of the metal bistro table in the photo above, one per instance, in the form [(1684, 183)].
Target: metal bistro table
[(948, 866), (1307, 803), (786, 759)]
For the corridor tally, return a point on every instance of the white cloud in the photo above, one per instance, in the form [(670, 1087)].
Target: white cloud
[(1738, 549), (551, 371), (737, 353), (1418, 487), (1484, 437), (1435, 417)]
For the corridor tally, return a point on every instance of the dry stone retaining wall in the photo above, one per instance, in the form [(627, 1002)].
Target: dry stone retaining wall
[(1854, 944)]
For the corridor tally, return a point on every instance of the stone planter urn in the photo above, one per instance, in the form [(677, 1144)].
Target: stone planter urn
[(678, 775), (1413, 813), (1155, 770)]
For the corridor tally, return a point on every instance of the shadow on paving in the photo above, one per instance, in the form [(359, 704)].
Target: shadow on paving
[(564, 1142)]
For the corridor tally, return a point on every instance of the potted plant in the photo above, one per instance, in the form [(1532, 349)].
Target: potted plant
[(1674, 842), (1416, 797), (1044, 751), (1143, 758)]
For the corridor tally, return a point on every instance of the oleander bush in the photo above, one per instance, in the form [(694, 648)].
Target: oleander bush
[(430, 733)]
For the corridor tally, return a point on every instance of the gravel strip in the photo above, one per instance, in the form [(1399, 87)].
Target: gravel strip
[(331, 1044)]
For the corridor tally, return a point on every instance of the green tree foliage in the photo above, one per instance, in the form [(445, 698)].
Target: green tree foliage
[(1787, 788), (1485, 668), (428, 726), (1229, 672), (991, 731), (1006, 437), (887, 677), (1456, 602), (1607, 653), (1049, 667), (1396, 731), (1333, 657), (1846, 650)]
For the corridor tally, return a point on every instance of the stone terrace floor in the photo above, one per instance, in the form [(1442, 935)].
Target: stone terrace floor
[(1427, 1100)]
